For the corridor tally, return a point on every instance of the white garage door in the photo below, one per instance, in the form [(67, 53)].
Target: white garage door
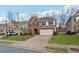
[(46, 32)]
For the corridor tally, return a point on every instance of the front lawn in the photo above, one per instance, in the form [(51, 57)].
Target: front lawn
[(17, 37), (64, 39)]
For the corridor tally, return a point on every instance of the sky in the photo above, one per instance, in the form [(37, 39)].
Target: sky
[(27, 10)]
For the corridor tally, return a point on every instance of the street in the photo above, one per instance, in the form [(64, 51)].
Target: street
[(8, 49)]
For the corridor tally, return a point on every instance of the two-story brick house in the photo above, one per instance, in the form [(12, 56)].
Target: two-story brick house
[(42, 26)]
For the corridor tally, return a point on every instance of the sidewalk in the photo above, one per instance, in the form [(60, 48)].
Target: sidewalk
[(64, 46)]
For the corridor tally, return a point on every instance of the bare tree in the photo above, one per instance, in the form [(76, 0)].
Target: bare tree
[(62, 18), (55, 20), (66, 14), (71, 11), (10, 16)]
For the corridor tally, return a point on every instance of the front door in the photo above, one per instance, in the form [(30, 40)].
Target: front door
[(36, 31)]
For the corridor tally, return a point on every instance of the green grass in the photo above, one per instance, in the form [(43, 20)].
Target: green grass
[(17, 37), (56, 49), (64, 39)]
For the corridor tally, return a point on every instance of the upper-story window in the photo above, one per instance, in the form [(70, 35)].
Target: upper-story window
[(35, 23), (51, 23), (77, 19), (54, 23), (47, 23), (43, 23)]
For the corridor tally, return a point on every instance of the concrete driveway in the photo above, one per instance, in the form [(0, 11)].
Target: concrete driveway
[(37, 42)]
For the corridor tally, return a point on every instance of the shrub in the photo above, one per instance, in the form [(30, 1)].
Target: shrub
[(55, 33), (25, 33), (68, 32), (71, 33)]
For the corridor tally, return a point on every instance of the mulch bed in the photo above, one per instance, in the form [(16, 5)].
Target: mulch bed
[(75, 49)]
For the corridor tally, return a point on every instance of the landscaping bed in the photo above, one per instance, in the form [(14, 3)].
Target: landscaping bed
[(75, 49), (64, 39), (17, 37)]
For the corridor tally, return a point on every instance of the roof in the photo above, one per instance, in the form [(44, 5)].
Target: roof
[(42, 18), (20, 23), (46, 19), (16, 23), (32, 18)]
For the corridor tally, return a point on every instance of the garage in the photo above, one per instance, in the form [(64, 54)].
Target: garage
[(46, 31)]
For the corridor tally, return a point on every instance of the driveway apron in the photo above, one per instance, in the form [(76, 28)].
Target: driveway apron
[(37, 42)]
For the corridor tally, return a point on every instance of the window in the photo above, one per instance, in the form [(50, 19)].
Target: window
[(47, 23), (77, 19), (35, 23), (43, 23), (51, 22)]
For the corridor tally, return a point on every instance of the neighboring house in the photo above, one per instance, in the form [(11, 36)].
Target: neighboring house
[(14, 27), (72, 25), (17, 26), (2, 27), (42, 26)]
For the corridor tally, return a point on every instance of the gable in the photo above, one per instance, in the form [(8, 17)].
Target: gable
[(33, 19)]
